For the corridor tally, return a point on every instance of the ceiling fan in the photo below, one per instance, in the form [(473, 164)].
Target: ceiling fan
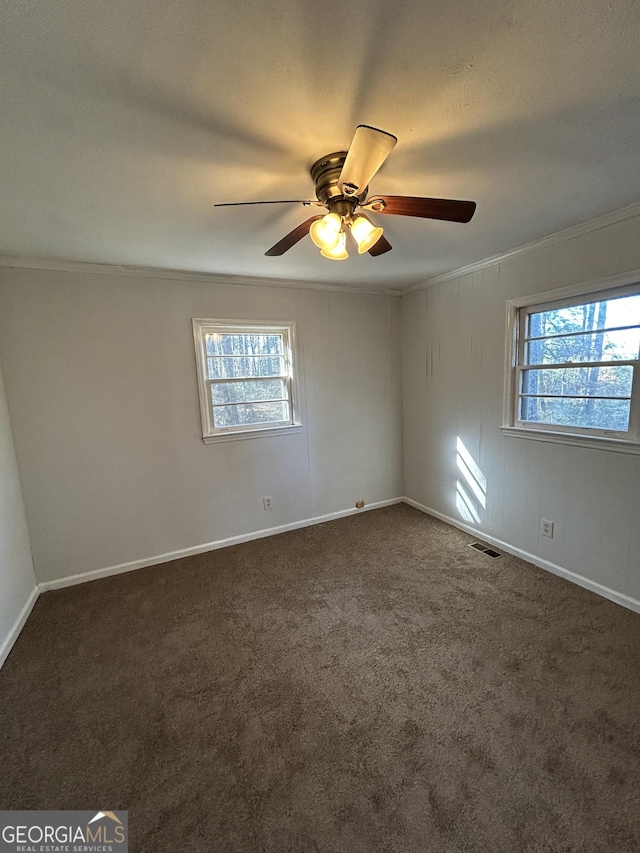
[(342, 183)]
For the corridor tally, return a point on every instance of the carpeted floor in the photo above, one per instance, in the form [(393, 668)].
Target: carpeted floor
[(370, 684)]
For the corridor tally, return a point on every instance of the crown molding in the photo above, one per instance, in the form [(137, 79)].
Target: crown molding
[(562, 236), (86, 268)]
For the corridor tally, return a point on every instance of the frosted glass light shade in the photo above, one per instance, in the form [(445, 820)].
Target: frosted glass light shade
[(339, 252), (325, 232), (365, 233)]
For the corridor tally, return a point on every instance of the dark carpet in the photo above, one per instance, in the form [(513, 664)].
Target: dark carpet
[(369, 684)]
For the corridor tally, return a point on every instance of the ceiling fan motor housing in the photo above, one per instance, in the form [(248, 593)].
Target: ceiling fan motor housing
[(325, 174)]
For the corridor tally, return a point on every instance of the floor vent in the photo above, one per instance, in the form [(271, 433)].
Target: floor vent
[(488, 551)]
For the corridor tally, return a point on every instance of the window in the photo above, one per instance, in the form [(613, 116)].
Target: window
[(574, 368), (245, 378)]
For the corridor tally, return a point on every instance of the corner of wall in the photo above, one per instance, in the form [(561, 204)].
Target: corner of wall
[(17, 576)]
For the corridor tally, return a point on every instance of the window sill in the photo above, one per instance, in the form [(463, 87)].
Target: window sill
[(291, 429), (593, 442)]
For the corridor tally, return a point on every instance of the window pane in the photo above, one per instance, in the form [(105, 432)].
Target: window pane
[(580, 381), (223, 344), (604, 314), (601, 346), (230, 368), (250, 413), (597, 414), (243, 392)]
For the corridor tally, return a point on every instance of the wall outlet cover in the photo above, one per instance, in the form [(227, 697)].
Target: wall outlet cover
[(546, 527)]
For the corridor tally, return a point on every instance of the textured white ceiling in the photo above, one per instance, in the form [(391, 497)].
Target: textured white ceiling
[(123, 121)]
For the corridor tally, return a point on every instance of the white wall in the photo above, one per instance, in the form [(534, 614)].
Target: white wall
[(453, 365), (17, 580), (101, 387)]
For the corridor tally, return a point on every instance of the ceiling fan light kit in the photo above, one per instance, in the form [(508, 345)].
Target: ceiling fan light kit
[(342, 183), (330, 234)]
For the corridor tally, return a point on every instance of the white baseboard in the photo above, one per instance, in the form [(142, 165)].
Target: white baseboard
[(617, 597), (83, 577), (12, 636)]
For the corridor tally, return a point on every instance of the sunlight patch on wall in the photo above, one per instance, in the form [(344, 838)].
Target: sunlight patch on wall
[(464, 504), (471, 485)]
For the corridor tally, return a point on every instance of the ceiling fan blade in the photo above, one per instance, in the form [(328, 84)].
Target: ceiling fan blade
[(380, 247), (283, 201), (427, 208), (292, 238), (369, 149)]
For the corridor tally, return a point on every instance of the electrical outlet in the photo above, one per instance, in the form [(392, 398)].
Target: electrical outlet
[(546, 527), (267, 502)]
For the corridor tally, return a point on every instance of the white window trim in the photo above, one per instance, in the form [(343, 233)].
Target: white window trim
[(211, 434), (601, 440)]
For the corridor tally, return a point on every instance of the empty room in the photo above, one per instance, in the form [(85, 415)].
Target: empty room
[(319, 426)]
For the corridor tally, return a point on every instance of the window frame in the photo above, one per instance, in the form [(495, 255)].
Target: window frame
[(286, 328), (517, 312)]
